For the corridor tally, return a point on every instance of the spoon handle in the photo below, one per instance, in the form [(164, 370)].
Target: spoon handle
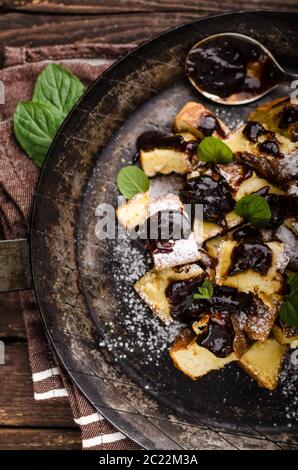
[(292, 80), (290, 77)]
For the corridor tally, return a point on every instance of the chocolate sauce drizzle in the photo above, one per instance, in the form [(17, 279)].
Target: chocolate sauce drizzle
[(253, 130), (208, 124), (162, 229), (250, 253), (247, 234), (288, 116), (213, 193), (255, 256), (271, 147), (220, 334), (224, 67), (185, 308), (281, 206), (151, 140)]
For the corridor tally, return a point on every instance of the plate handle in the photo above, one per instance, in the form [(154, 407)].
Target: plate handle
[(15, 270)]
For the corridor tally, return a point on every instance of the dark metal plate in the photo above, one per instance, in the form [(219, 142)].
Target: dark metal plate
[(107, 339)]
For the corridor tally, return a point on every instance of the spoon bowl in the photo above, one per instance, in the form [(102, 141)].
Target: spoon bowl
[(233, 69)]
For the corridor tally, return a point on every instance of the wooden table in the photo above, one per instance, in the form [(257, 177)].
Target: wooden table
[(25, 423)]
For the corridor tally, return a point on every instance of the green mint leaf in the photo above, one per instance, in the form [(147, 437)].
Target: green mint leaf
[(59, 87), (35, 126), (131, 180), (289, 313), (205, 291), (255, 209), (289, 309), (214, 150), (292, 281), (36, 122), (207, 285)]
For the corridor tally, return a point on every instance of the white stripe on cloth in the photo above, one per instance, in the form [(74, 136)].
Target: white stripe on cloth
[(45, 374), (104, 439), (56, 393), (84, 420)]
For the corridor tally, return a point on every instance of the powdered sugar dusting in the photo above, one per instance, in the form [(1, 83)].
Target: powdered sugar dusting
[(142, 331), (242, 319), (183, 252), (288, 166), (170, 202), (229, 116), (163, 185), (284, 234), (260, 322), (139, 337), (289, 384)]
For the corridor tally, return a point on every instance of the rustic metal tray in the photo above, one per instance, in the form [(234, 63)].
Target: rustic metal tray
[(107, 340)]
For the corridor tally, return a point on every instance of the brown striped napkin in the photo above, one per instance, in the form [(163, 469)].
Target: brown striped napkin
[(18, 177)]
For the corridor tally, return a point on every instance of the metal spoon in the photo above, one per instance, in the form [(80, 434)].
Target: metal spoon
[(234, 69)]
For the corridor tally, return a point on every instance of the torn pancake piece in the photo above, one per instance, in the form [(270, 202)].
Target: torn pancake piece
[(135, 211), (249, 280), (263, 362), (268, 143), (219, 190), (257, 325), (286, 335), (280, 116), (153, 285), (168, 251), (165, 153), (164, 227), (199, 121), (194, 360)]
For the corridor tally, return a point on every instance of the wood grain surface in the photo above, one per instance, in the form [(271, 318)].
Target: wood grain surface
[(115, 21), (38, 439), (25, 423), (11, 322), (18, 407), (194, 7)]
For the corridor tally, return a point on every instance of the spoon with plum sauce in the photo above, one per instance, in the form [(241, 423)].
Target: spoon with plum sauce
[(233, 69)]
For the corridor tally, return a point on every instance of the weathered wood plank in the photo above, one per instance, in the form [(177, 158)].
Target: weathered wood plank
[(30, 439), (15, 271), (128, 6), (17, 405), (17, 29), (11, 321), (117, 21)]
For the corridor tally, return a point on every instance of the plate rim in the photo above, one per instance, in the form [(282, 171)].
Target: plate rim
[(67, 123)]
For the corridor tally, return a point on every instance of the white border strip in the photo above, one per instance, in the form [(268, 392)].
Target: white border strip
[(45, 374), (104, 439), (84, 420), (56, 393)]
